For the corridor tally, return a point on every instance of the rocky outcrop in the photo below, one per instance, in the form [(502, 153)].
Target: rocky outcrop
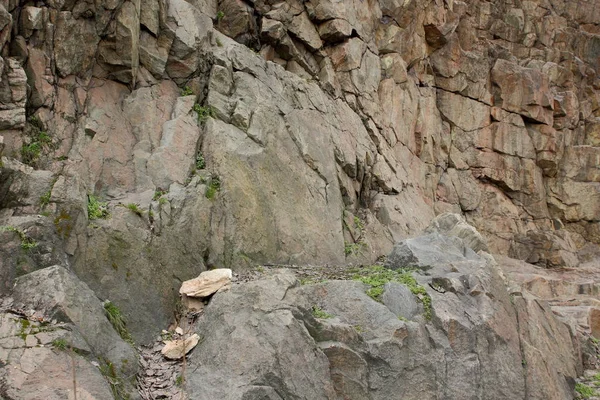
[(331, 340), (56, 339), (46, 359), (229, 133)]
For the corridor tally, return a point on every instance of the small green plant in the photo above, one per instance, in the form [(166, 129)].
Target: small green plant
[(584, 391), (219, 43), (204, 112), (377, 276), (60, 344), (357, 245), (213, 186), (179, 380), (200, 163), (39, 140), (351, 249), (358, 224), (117, 320), (135, 208), (187, 91), (96, 209), (317, 312), (30, 153), (45, 199), (220, 16), (162, 201), (158, 193), (27, 243), (115, 381)]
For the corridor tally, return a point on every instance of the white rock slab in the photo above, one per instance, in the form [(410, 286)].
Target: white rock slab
[(207, 283)]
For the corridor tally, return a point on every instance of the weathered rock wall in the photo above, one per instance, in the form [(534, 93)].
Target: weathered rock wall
[(330, 131)]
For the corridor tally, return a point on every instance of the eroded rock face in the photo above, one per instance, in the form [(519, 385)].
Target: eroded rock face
[(348, 128), (55, 293), (47, 361)]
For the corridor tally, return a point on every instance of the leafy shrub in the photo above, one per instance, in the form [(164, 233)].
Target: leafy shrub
[(96, 209), (204, 112)]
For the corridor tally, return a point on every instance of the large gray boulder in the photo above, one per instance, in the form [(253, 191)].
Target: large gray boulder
[(254, 347), (55, 293), (46, 361), (425, 252)]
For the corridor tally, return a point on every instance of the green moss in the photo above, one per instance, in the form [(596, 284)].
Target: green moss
[(377, 276), (220, 16), (317, 312), (63, 224), (584, 391), (96, 209), (24, 331)]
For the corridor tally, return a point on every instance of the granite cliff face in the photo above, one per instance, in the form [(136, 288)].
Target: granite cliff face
[(233, 133)]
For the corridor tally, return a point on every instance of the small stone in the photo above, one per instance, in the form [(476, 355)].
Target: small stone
[(31, 341), (207, 283), (179, 331), (176, 349)]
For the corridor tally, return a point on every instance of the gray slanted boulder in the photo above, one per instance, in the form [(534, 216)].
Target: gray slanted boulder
[(38, 361), (55, 293), (426, 252)]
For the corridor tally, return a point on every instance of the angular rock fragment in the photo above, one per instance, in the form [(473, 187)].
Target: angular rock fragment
[(176, 349), (207, 283)]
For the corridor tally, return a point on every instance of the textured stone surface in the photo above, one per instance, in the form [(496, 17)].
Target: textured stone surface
[(56, 293), (206, 283), (348, 128), (41, 369), (371, 353)]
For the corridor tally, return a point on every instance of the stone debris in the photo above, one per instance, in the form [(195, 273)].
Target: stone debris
[(158, 376), (177, 349), (207, 283)]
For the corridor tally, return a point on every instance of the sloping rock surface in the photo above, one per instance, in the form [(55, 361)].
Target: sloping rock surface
[(481, 342), (290, 132)]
